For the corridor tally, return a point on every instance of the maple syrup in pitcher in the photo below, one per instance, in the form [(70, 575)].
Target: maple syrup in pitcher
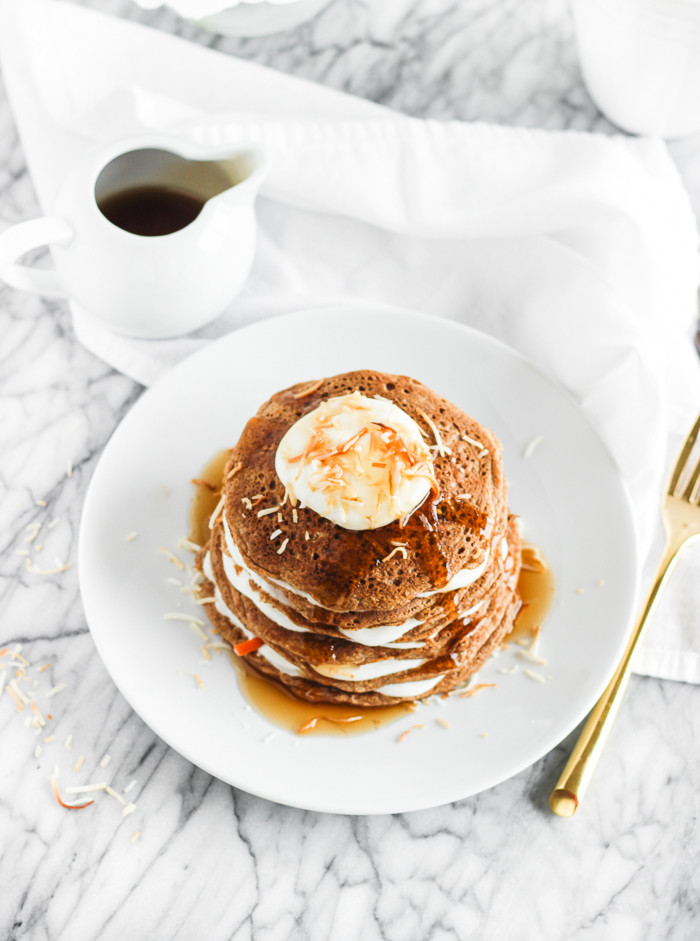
[(268, 698), (151, 210)]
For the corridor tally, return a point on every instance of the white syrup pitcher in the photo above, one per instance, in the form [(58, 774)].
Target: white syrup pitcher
[(153, 236)]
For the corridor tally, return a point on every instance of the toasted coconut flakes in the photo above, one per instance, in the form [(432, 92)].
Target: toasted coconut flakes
[(283, 546), (56, 689), (130, 786), (21, 551), (246, 503), (234, 470), (69, 741), (483, 735), (526, 655), (477, 444), (19, 705), (49, 739), (530, 449), (535, 676), (463, 496), (14, 688), (205, 652), (86, 788), (271, 509), (172, 557), (600, 582), (3, 677), (276, 533), (401, 549), (190, 618), (217, 510), (279, 517), (134, 838), (129, 809), (41, 502), (535, 639), (54, 522), (309, 390), (185, 543), (406, 731), (105, 761), (113, 793), (306, 536), (210, 600), (483, 452), (173, 581), (79, 763), (198, 680), (131, 536), (37, 751), (295, 515), (510, 670), (18, 656), (475, 689), (443, 722), (441, 448), (580, 591)]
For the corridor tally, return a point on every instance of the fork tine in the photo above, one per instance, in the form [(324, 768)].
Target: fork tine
[(683, 458), (688, 492)]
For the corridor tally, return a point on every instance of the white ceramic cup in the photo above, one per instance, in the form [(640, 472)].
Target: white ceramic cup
[(145, 286), (641, 62)]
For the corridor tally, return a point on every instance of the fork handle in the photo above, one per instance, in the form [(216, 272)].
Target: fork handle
[(578, 771)]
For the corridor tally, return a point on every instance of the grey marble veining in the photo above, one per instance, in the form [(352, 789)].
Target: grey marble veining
[(213, 862)]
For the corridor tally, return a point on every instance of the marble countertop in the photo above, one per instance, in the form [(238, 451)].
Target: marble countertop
[(196, 858)]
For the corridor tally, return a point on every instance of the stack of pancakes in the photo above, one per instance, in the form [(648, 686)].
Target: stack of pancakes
[(375, 616)]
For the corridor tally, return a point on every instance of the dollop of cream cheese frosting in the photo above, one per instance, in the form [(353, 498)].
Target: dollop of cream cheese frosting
[(360, 462)]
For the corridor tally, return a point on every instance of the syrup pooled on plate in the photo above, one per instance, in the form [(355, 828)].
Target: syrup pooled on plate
[(308, 718), (536, 590), (264, 695)]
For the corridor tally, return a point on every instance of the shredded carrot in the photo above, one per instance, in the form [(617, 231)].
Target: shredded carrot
[(67, 806), (203, 483), (45, 667), (248, 646), (3, 651)]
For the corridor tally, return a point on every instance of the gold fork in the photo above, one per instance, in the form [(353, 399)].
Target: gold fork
[(681, 515)]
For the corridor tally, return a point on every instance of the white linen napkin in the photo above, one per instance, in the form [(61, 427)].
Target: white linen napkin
[(578, 250)]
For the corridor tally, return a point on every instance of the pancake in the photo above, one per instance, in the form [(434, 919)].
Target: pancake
[(366, 616), (345, 570)]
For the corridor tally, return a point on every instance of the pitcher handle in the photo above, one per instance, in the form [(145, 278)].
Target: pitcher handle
[(22, 238)]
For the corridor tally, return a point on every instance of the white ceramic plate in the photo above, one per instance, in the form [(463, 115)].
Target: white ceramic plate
[(568, 492)]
